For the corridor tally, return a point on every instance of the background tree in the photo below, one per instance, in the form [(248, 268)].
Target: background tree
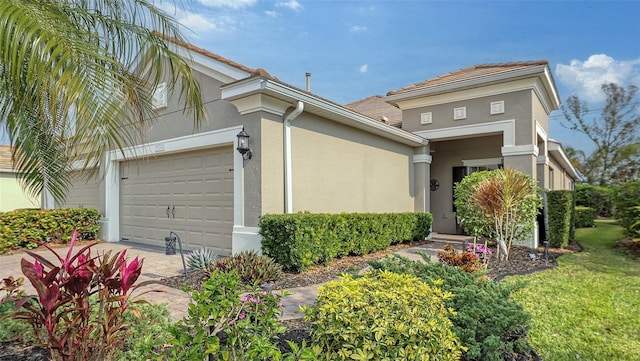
[(68, 88), (616, 135)]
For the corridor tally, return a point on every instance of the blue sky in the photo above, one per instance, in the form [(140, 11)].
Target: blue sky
[(355, 49)]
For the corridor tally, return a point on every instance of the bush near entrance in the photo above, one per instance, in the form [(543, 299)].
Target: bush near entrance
[(297, 241)]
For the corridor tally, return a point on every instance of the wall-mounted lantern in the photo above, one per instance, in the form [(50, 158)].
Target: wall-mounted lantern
[(243, 145), (434, 185)]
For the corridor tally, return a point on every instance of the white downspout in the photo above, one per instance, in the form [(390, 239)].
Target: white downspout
[(288, 179)]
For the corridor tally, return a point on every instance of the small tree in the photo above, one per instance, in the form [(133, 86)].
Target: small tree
[(510, 199)]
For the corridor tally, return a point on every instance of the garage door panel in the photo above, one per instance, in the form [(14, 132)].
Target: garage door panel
[(198, 186)]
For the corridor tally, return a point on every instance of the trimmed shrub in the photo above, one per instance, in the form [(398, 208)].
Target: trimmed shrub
[(488, 322), (585, 217), (559, 210), (25, 228), (297, 241), (596, 197), (474, 222), (385, 316), (626, 197)]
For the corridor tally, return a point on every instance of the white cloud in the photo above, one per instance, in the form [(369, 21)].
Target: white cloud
[(272, 13), (233, 4), (357, 29), (585, 78), (363, 69), (194, 22), (291, 4)]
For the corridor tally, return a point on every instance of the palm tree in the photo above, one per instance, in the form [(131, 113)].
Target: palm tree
[(69, 87)]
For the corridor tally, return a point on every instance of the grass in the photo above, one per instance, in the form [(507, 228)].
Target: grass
[(588, 308)]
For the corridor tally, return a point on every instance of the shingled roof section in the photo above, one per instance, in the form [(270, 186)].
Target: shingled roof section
[(5, 157), (375, 107), (474, 72), (217, 57)]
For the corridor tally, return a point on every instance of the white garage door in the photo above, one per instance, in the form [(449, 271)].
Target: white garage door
[(84, 191), (190, 193)]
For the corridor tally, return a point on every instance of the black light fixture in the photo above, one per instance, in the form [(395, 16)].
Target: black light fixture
[(243, 145)]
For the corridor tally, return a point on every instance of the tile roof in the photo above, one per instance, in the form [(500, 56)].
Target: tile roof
[(5, 157), (207, 53), (377, 108), (474, 72)]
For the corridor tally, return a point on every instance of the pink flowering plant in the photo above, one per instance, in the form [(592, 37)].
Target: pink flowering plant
[(79, 302), (229, 320), (482, 251)]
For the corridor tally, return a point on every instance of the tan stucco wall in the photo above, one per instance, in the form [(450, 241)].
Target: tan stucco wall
[(12, 196), (517, 105), (448, 154), (86, 191), (171, 122), (561, 179), (335, 169)]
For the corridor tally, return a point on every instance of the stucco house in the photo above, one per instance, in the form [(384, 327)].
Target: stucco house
[(12, 196), (308, 153)]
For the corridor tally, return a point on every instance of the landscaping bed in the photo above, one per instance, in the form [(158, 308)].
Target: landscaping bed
[(521, 262)]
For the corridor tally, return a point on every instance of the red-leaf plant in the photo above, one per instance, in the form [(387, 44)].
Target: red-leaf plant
[(77, 312)]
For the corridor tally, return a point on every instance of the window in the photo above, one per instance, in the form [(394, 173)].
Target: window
[(160, 96), (497, 107), (459, 113), (477, 165), (425, 118)]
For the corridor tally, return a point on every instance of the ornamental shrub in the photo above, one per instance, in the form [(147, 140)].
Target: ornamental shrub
[(229, 320), (251, 267), (488, 322), (585, 217), (596, 197), (297, 241), (382, 316), (474, 222), (467, 261), (559, 210), (79, 303), (626, 197), (27, 228)]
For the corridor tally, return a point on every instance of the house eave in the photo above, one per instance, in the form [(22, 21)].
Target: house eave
[(318, 106), (561, 157), (542, 72)]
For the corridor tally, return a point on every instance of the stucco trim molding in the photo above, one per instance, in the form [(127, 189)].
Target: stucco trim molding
[(422, 158), (210, 139), (543, 160), (260, 102), (528, 149), (506, 127)]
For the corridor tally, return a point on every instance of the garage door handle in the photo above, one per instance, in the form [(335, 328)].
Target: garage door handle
[(173, 211), (168, 212)]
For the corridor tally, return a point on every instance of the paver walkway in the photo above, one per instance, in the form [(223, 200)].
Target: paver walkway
[(157, 265)]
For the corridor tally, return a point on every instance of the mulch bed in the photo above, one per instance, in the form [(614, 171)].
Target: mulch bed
[(522, 261)]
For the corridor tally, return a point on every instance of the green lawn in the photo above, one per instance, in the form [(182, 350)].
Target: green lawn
[(587, 308)]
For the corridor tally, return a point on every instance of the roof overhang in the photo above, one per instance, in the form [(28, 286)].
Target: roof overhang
[(258, 85), (541, 74), (557, 152)]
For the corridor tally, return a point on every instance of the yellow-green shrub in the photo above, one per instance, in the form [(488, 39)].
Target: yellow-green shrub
[(24, 228), (383, 316)]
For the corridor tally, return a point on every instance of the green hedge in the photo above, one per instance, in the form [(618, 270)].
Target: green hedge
[(560, 205), (297, 241), (596, 197), (24, 228), (585, 217), (625, 198)]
